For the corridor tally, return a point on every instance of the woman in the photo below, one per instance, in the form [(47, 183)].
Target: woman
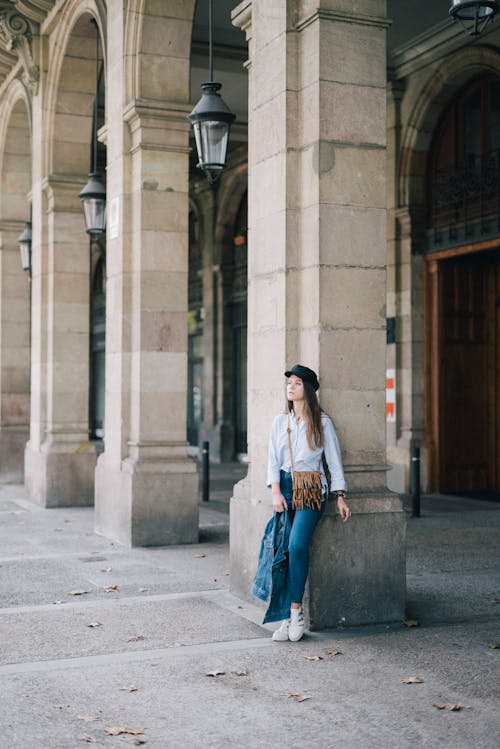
[(301, 441)]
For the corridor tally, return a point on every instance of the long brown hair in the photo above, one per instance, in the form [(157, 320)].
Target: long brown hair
[(312, 412)]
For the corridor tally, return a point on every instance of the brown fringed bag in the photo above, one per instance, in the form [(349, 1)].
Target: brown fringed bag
[(307, 489)]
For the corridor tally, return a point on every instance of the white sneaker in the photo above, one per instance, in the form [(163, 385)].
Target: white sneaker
[(296, 628), (281, 634)]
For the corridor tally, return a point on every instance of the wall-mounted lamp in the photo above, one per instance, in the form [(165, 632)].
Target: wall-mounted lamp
[(24, 242), (473, 14), (211, 120), (93, 195)]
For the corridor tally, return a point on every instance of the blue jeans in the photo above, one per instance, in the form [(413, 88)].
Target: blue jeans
[(303, 524)]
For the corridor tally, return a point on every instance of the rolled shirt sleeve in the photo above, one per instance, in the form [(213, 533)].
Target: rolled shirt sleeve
[(273, 461), (333, 455)]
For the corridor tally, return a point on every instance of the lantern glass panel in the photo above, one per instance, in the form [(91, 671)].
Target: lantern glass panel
[(472, 11), (95, 215), (25, 249), (211, 141)]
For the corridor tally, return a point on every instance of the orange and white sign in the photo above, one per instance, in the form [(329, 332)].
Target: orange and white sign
[(390, 395)]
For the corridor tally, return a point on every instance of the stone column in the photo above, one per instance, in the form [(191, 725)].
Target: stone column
[(59, 459), (317, 256), (146, 486), (14, 354)]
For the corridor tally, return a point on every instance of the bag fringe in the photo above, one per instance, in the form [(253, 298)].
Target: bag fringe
[(307, 490)]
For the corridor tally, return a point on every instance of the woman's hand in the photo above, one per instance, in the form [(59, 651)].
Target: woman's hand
[(344, 510), (279, 502)]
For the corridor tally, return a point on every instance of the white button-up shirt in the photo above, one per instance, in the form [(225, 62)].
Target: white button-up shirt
[(304, 459)]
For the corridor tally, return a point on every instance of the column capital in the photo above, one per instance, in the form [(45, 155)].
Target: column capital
[(62, 191), (339, 16), (241, 17), (154, 125)]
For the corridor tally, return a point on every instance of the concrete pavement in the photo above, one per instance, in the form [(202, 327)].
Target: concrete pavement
[(156, 621)]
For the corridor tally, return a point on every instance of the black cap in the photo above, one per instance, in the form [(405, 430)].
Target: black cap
[(305, 374)]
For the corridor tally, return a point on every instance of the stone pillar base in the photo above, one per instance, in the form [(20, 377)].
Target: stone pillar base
[(58, 477), (147, 503), (357, 570), (12, 445)]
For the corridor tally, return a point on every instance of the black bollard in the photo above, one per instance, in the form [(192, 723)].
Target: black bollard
[(415, 481), (205, 471)]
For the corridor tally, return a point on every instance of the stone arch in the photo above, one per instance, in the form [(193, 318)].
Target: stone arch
[(72, 86), (15, 189), (441, 84), (438, 90), (15, 125), (155, 33)]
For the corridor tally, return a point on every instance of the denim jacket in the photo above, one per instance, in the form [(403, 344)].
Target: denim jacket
[(271, 578)]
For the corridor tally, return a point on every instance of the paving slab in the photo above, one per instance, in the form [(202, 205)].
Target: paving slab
[(356, 699), (122, 626), (173, 619)]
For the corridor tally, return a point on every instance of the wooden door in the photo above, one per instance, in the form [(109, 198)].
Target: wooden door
[(465, 359)]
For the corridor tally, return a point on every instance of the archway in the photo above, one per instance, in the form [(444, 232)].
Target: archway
[(425, 100), (15, 187), (462, 288), (60, 459)]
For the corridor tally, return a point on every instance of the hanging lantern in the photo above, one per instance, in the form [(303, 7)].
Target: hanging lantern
[(93, 197), (211, 120), (473, 14), (24, 242)]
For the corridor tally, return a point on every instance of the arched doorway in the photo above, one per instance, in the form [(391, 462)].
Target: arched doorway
[(462, 300)]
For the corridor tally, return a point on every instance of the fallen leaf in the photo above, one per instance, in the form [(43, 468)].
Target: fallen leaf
[(106, 569), (78, 592), (129, 688), (117, 730), (88, 739), (335, 652), (199, 556), (411, 623), (111, 589), (299, 697), (87, 718), (454, 706), (239, 673), (216, 672), (413, 680), (313, 657), (494, 645), (142, 590), (95, 624), (137, 638)]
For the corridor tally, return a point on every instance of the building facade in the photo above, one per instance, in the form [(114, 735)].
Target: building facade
[(355, 229)]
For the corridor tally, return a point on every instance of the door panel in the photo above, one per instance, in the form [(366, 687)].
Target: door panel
[(468, 374)]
